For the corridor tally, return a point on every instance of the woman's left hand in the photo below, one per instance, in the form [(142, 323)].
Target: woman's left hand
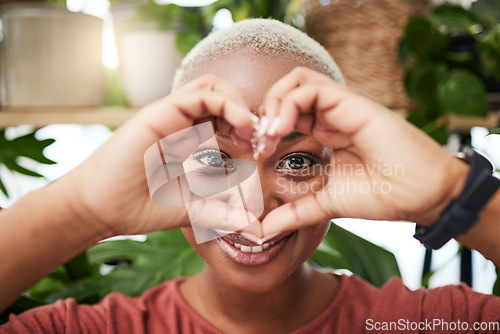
[(381, 168)]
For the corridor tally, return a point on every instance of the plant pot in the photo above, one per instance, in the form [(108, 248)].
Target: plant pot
[(362, 36), (50, 57), (148, 57)]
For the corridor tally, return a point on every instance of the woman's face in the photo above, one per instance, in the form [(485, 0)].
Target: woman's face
[(296, 168)]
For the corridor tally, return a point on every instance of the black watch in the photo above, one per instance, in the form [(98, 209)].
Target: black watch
[(463, 211)]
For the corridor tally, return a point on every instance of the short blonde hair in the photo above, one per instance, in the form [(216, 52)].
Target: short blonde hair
[(261, 36)]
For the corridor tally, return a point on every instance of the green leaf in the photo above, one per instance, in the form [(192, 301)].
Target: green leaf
[(421, 82), (163, 256), (494, 132), (185, 41), (453, 20), (463, 93), (342, 249), (24, 303), (496, 287), (403, 51), (424, 39), (25, 146), (3, 189), (488, 9), (489, 53), (80, 267)]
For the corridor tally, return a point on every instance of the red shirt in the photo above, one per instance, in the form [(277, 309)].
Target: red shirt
[(357, 308)]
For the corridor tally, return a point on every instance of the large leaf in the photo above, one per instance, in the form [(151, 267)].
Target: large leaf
[(463, 93), (421, 82), (489, 53), (25, 146), (163, 256), (424, 39), (453, 20), (342, 249)]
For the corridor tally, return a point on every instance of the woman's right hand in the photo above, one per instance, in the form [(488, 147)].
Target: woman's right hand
[(109, 190)]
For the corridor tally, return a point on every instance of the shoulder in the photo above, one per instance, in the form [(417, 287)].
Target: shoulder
[(395, 307), (116, 313)]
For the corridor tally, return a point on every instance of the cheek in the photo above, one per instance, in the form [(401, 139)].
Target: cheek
[(291, 189)]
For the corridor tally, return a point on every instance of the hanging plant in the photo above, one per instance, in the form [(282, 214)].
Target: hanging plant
[(452, 61)]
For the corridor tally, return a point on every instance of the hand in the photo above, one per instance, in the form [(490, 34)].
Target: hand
[(109, 189), (381, 167)]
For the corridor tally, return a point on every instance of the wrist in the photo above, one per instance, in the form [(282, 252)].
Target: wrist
[(454, 174), (463, 211), (73, 215)]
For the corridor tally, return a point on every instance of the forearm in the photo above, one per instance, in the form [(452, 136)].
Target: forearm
[(484, 235), (37, 234)]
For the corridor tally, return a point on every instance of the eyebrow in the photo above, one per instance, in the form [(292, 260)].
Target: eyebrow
[(292, 136)]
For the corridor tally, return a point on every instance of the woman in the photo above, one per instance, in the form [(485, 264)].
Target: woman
[(308, 123)]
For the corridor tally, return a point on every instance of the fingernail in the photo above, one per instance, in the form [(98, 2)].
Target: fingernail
[(274, 126), (254, 118), (261, 147), (264, 122), (269, 236), (251, 237)]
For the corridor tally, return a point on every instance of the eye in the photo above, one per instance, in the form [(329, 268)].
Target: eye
[(295, 162), (214, 159)]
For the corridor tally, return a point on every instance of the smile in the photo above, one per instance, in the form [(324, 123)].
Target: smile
[(247, 253)]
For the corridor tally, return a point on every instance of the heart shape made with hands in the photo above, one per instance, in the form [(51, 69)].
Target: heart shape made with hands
[(219, 201)]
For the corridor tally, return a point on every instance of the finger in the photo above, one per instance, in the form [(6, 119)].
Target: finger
[(207, 216), (296, 78), (306, 211), (183, 108)]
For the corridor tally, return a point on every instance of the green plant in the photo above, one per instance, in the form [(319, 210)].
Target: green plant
[(136, 266), (192, 24), (25, 146), (448, 57)]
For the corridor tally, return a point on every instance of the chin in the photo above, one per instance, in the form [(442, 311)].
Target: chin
[(262, 271)]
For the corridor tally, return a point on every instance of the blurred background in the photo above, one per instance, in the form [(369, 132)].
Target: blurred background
[(437, 64)]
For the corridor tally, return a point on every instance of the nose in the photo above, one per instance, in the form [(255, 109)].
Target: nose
[(261, 197)]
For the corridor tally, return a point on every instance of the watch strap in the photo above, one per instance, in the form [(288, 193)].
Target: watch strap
[(463, 211)]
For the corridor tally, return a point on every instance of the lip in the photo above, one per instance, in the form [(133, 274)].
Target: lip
[(250, 259)]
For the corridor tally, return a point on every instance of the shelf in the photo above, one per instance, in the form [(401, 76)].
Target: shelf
[(114, 117), (465, 123), (42, 116)]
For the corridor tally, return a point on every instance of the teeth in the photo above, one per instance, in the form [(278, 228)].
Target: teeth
[(246, 249), (254, 249)]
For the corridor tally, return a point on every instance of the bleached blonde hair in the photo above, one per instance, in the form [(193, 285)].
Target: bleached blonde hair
[(259, 36)]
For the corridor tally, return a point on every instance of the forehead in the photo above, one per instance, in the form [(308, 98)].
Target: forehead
[(253, 73)]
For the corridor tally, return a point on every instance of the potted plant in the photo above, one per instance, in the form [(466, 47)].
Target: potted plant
[(152, 38), (50, 56), (452, 64)]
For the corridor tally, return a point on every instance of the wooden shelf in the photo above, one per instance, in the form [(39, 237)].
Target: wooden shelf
[(114, 117), (465, 123), (42, 116)]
